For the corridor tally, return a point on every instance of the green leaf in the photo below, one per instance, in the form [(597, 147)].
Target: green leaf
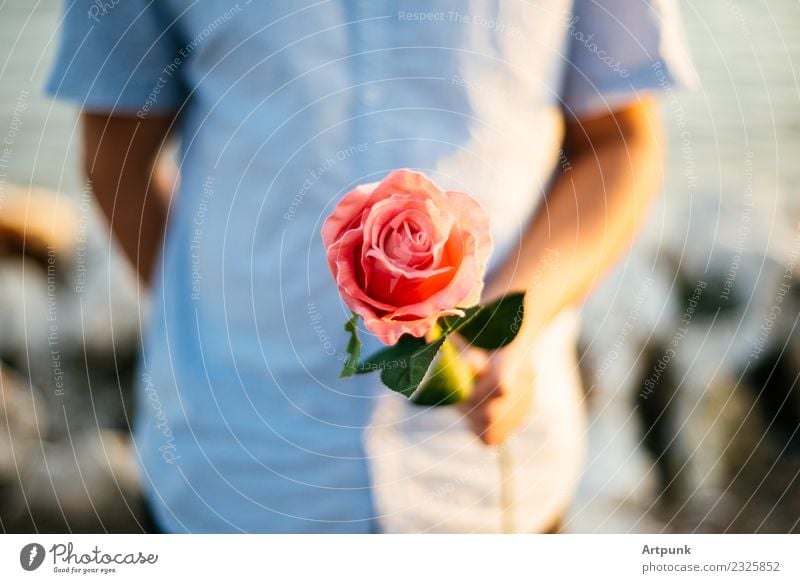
[(406, 380), (496, 324), (403, 366), (389, 357), (353, 348)]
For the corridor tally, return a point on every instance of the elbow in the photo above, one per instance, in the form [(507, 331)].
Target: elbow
[(635, 128)]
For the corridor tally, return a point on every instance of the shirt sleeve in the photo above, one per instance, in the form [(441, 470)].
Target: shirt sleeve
[(618, 49), (117, 56)]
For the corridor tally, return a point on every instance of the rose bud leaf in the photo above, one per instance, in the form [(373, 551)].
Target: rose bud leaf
[(403, 366), (353, 348), (496, 324), (406, 379)]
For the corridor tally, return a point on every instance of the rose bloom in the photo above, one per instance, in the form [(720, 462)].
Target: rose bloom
[(404, 253)]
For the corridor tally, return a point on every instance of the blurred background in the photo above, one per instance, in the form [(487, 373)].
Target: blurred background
[(705, 309)]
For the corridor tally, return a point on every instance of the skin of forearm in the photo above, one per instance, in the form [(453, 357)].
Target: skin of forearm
[(121, 162), (589, 217)]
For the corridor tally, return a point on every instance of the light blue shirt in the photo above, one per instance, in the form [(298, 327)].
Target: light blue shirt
[(242, 423)]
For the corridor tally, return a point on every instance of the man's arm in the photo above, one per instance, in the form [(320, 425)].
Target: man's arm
[(588, 219), (592, 212), (121, 156)]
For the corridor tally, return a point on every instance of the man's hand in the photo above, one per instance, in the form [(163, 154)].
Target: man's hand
[(504, 386)]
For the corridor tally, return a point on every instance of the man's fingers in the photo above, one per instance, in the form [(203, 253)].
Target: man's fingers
[(477, 360), (488, 385), (485, 421), (484, 391)]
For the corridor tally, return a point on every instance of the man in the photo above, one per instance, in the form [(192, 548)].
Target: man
[(541, 110)]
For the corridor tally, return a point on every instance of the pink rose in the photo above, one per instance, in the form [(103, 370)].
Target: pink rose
[(404, 253)]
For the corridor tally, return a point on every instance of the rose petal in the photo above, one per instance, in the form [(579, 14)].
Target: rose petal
[(389, 331), (408, 182), (343, 268), (346, 212)]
